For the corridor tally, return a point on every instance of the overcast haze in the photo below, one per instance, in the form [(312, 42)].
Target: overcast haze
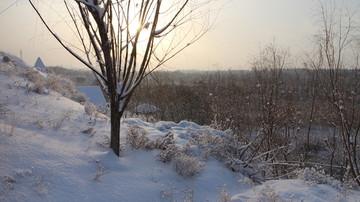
[(242, 27)]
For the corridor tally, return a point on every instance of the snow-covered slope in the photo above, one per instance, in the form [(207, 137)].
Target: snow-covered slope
[(55, 149)]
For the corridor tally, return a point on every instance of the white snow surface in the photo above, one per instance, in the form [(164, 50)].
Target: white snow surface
[(45, 155)]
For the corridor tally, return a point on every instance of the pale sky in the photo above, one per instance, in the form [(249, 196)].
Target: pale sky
[(243, 26)]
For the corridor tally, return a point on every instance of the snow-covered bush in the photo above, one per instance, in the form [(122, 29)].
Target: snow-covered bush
[(54, 123), (225, 148), (58, 84), (3, 109), (249, 170), (210, 145), (100, 171), (61, 85), (168, 153), (38, 81), (268, 195), (188, 194), (10, 124), (161, 143), (221, 147), (224, 196), (187, 166), (58, 121), (8, 183), (313, 177), (137, 138), (170, 150), (40, 187), (65, 87)]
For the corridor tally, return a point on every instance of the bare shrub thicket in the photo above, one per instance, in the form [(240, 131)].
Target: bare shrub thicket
[(283, 114), (176, 102), (337, 63)]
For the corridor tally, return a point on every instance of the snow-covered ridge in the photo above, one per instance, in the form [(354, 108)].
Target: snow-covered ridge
[(55, 149), (15, 61)]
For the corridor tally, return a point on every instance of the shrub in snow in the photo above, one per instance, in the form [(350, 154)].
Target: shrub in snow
[(187, 166), (57, 123), (8, 182), (210, 145), (10, 124), (40, 187), (221, 147), (168, 153), (105, 142), (312, 176), (161, 142), (137, 138), (188, 194), (58, 84), (224, 196), (100, 172), (227, 149), (171, 151), (54, 123), (65, 87), (246, 169), (93, 110), (268, 195), (38, 82), (3, 109), (349, 181)]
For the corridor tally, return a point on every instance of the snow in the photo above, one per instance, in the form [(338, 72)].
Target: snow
[(93, 93), (296, 190), (46, 155)]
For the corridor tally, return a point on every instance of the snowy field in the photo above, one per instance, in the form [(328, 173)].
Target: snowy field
[(55, 149)]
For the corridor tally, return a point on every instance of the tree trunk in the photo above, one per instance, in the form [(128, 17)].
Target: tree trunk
[(115, 129)]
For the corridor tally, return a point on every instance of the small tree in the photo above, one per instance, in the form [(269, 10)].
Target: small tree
[(269, 68), (123, 41), (340, 80)]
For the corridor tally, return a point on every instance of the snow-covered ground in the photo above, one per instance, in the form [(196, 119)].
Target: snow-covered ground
[(54, 149)]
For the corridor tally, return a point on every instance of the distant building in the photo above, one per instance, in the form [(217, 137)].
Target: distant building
[(40, 65)]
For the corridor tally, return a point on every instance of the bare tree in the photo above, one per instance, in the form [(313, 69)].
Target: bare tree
[(123, 41), (268, 68), (339, 78)]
